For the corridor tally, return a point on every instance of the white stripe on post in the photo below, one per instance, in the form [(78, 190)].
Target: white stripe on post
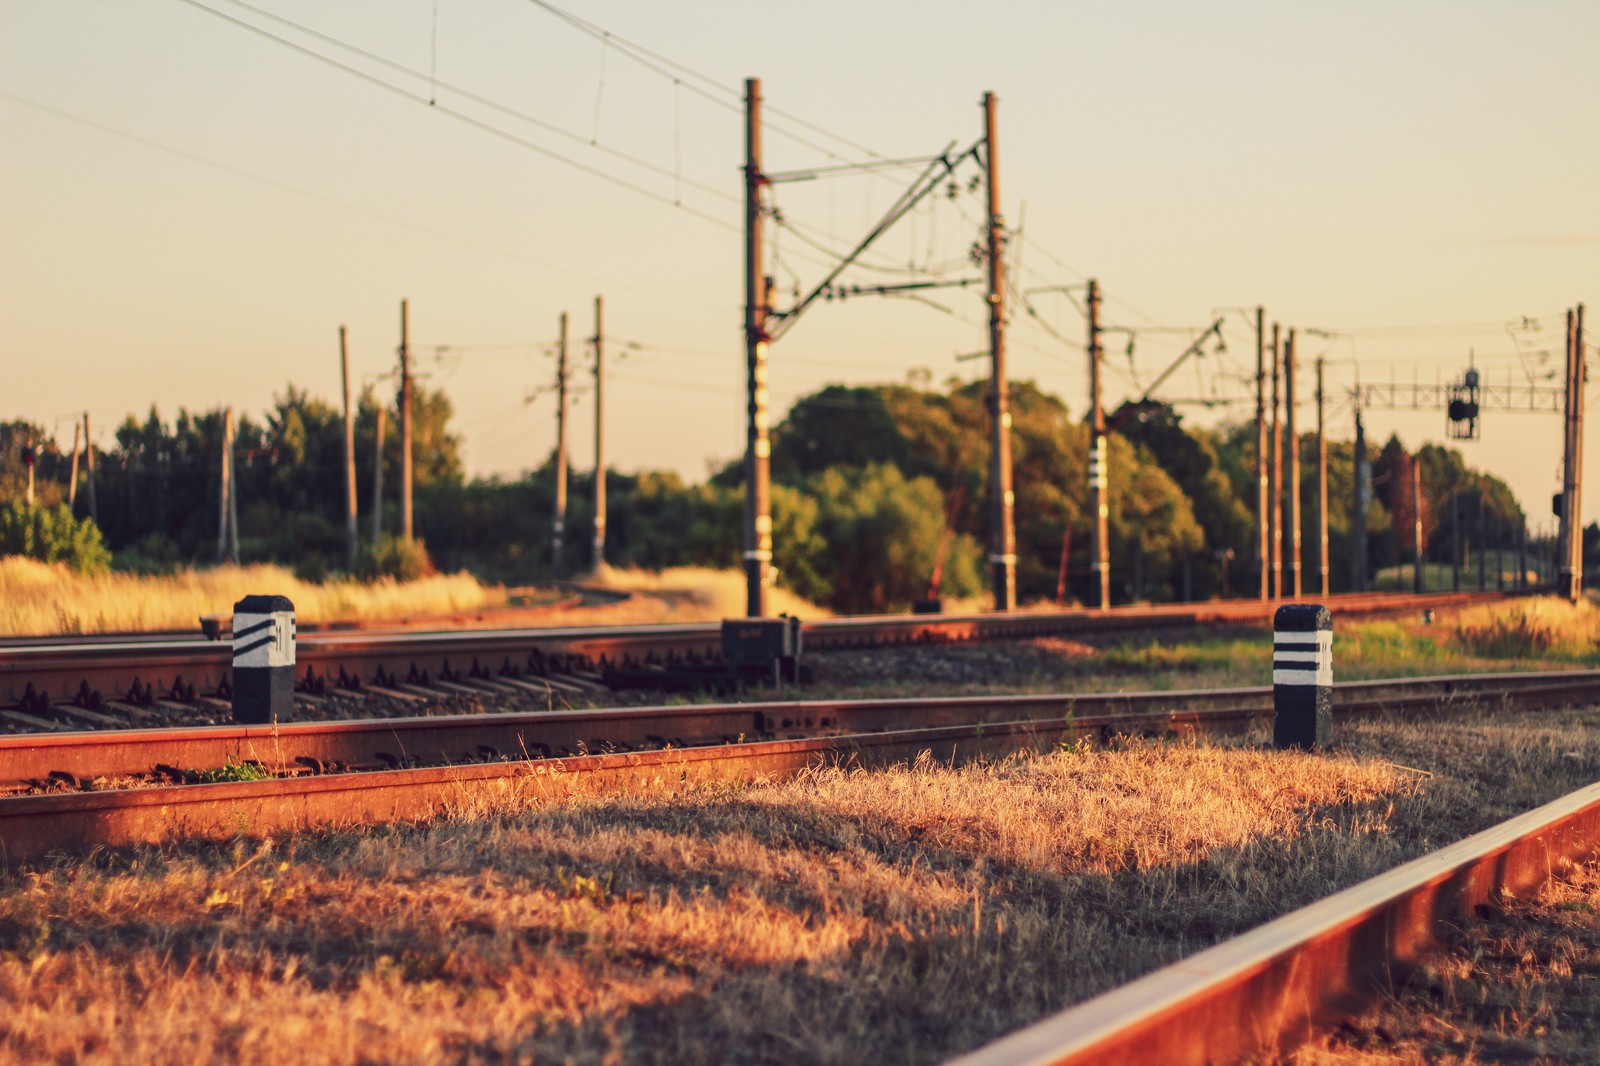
[(1302, 676), (263, 659)]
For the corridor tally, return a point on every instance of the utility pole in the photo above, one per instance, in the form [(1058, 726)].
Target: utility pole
[(1499, 556), (222, 483), (1483, 542), (1358, 512), (1263, 504), (72, 479), (599, 442), (1416, 519), (1521, 583), (1455, 541), (1002, 533), (405, 423), (559, 526), (1580, 376), (1277, 473), (757, 443), (227, 501), (88, 475), (233, 496), (1571, 531), (1098, 480), (350, 534), (1292, 448), (1322, 488), (377, 475)]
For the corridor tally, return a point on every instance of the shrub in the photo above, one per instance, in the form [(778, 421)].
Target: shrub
[(399, 558), (153, 553), (51, 535)]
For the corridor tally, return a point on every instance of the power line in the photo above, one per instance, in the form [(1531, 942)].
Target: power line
[(495, 105), (656, 63), (334, 202), (469, 120)]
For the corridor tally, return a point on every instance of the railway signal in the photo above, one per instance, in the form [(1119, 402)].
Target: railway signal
[(1462, 409)]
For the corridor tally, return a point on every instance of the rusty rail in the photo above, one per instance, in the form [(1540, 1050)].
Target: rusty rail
[(82, 671), (1272, 988), (470, 738), (337, 776)]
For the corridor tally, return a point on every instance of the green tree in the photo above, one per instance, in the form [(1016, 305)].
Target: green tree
[(52, 535), (883, 533)]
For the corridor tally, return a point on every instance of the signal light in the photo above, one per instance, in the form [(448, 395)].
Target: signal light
[(27, 455)]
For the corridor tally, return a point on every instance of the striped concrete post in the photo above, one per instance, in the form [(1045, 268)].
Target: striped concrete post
[(1302, 676), (263, 660)]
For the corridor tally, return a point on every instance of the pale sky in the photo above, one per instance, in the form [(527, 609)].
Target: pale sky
[(190, 210)]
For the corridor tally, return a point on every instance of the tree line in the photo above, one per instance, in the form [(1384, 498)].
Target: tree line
[(878, 498)]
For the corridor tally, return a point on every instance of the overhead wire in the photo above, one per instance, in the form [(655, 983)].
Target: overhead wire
[(331, 201), (485, 101), (467, 119)]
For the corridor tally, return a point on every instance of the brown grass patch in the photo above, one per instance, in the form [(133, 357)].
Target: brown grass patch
[(844, 916)]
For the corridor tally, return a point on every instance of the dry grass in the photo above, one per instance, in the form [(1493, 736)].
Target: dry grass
[(41, 598), (697, 594), (844, 916), (1529, 628)]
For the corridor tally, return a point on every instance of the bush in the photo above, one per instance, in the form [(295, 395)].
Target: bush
[(153, 553), (52, 535), (399, 558)]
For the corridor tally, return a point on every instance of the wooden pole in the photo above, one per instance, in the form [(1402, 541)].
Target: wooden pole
[(1277, 473), (559, 523), (405, 422), (1455, 541), (1291, 446), (1061, 572), (351, 535), (1580, 377), (1263, 482), (1002, 531), (223, 484), (1322, 488), (88, 470), (599, 440), (377, 476), (757, 298), (1358, 511), (1099, 476), (72, 479), (1416, 519), (233, 494)]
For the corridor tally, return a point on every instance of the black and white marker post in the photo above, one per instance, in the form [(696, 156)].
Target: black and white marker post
[(263, 660), (1302, 676)]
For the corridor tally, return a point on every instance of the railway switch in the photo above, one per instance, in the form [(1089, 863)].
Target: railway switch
[(263, 660), (1302, 676)]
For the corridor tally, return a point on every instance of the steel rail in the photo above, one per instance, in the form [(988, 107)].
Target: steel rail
[(389, 741), (1274, 987), (68, 671), (35, 826)]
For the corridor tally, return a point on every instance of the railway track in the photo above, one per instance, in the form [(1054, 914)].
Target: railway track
[(85, 674), (69, 792), (1271, 989), (1268, 989)]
